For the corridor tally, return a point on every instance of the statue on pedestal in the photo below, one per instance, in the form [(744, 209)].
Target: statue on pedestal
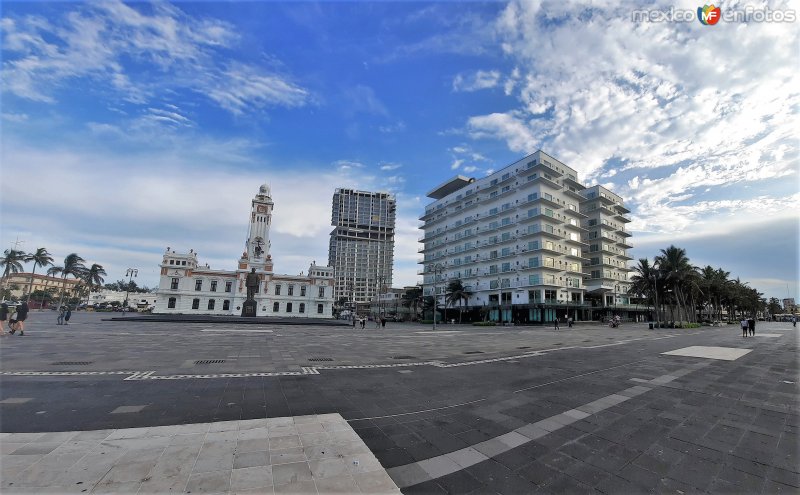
[(251, 282)]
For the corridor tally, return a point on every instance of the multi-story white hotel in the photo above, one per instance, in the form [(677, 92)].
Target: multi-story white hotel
[(362, 243), (607, 268), (517, 239), (186, 287)]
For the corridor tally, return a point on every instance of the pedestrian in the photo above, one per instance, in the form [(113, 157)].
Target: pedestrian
[(555, 323), (363, 322), (3, 317), (60, 320), (354, 321), (383, 322), (794, 321), (19, 321), (569, 322), (744, 325), (68, 315), (751, 325)]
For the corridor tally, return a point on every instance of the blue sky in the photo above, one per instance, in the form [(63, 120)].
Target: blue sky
[(127, 128)]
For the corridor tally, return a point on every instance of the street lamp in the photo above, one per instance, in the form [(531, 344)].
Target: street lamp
[(655, 291), (437, 268), (131, 273)]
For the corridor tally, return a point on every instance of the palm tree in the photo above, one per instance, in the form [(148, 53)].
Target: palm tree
[(73, 265), (678, 272), (412, 298), (643, 281), (40, 258), (11, 262), (93, 277), (456, 292)]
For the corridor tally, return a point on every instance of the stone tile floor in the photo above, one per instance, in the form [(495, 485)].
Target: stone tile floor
[(303, 454)]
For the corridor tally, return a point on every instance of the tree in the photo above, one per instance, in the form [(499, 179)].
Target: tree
[(774, 306), (40, 258), (93, 278), (643, 282), (73, 265), (412, 299), (456, 292), (679, 274), (11, 262)]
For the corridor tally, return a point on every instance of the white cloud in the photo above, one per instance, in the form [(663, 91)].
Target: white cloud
[(390, 166), (667, 109), (476, 81), (97, 41)]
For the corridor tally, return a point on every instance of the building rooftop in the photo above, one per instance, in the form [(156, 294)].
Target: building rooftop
[(450, 186)]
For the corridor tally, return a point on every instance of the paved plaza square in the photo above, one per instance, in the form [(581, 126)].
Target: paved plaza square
[(141, 407)]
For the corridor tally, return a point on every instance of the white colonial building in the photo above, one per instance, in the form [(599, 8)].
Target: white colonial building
[(187, 287)]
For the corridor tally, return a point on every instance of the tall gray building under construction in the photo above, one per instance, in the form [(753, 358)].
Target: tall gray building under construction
[(362, 243)]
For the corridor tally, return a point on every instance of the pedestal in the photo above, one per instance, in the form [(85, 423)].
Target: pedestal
[(249, 308)]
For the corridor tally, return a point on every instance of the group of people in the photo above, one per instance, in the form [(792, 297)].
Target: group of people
[(379, 322), (16, 321), (64, 314), (748, 325)]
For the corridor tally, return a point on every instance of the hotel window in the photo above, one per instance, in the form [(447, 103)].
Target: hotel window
[(533, 262), (492, 269), (198, 285), (302, 308), (211, 303), (506, 267), (213, 286), (319, 308), (533, 280), (288, 307), (195, 303), (302, 291), (505, 252), (533, 245), (322, 292), (276, 307), (493, 284), (226, 305), (174, 284), (535, 295), (228, 286), (290, 292), (171, 262), (171, 303), (506, 236), (277, 289)]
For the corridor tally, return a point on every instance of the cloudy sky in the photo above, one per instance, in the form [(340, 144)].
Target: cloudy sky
[(127, 128)]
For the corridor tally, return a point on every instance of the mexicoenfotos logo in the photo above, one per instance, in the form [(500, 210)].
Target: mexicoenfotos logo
[(709, 15)]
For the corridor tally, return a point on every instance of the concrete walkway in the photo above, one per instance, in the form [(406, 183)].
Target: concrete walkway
[(302, 454)]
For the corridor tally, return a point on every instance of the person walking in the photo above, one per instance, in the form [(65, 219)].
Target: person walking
[(555, 323), (3, 318), (363, 322), (569, 322), (60, 319), (744, 325), (68, 315), (383, 322), (19, 321), (794, 321), (751, 325)]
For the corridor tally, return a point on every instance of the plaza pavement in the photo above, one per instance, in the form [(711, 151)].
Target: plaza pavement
[(195, 407)]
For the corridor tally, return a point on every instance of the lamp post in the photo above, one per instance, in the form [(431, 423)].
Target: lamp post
[(131, 273), (437, 268), (655, 291)]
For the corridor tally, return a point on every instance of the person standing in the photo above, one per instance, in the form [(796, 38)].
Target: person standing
[(744, 325), (794, 321), (751, 325), (68, 315), (3, 317), (60, 320), (555, 323), (22, 315)]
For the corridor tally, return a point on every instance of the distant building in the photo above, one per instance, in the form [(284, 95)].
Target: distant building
[(361, 247), (530, 243), (19, 283), (187, 287), (789, 305)]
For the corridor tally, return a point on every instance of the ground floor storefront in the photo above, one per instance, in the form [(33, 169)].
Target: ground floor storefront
[(540, 314)]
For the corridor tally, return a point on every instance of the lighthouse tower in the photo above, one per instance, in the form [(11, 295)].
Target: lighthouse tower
[(258, 244)]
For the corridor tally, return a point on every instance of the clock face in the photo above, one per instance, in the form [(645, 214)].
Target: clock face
[(262, 209)]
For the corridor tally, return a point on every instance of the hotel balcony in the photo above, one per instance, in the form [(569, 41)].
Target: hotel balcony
[(542, 168)]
